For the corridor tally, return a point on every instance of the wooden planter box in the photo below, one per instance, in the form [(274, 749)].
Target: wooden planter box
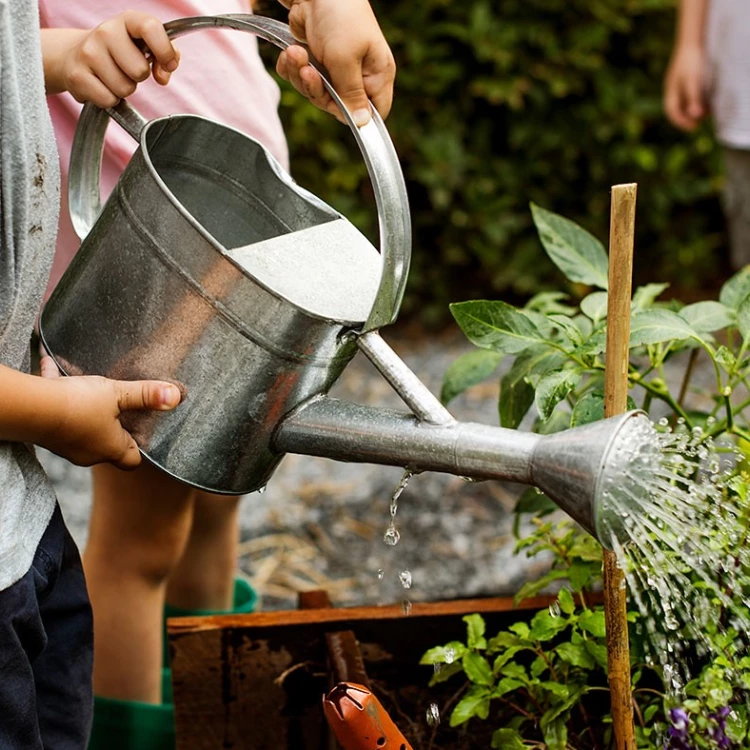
[(256, 681)]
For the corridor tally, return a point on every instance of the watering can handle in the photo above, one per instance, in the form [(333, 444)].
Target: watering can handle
[(84, 189)]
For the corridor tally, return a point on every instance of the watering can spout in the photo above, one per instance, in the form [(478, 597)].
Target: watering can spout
[(569, 466)]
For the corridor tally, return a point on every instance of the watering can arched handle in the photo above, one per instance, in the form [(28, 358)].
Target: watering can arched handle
[(84, 189)]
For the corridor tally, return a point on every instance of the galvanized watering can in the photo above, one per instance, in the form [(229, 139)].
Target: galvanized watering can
[(156, 292)]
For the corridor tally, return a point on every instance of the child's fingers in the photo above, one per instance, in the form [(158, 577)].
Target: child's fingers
[(674, 108), (347, 80), (130, 458), (295, 58), (694, 98), (86, 87), (48, 368), (148, 28), (161, 74), (147, 394), (119, 83), (293, 65), (379, 84)]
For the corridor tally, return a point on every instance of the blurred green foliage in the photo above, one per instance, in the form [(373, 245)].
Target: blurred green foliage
[(502, 103)]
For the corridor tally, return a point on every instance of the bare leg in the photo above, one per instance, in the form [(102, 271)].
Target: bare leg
[(204, 577), (139, 529)]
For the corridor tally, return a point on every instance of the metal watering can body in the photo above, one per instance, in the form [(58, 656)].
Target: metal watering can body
[(152, 292), (155, 293)]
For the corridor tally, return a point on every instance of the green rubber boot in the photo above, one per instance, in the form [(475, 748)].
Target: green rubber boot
[(132, 725)]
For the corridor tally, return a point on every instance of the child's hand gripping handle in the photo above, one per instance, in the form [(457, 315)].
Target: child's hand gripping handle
[(373, 140)]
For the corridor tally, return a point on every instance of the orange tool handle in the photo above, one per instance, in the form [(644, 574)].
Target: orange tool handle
[(359, 721)]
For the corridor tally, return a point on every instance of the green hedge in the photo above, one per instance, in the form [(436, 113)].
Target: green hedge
[(503, 102)]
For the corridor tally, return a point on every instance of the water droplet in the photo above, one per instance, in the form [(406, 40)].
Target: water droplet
[(391, 536), (381, 574), (262, 489), (405, 578), (554, 609), (433, 715), (406, 607)]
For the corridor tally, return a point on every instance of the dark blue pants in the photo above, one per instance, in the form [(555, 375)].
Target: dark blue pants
[(46, 650)]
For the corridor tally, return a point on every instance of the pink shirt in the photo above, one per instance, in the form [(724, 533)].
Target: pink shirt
[(221, 76)]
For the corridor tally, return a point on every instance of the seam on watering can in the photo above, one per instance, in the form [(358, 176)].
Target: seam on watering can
[(221, 309)]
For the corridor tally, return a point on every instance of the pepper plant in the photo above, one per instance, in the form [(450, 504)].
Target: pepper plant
[(543, 683)]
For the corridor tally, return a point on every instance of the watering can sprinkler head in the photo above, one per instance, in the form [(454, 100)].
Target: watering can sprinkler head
[(589, 472)]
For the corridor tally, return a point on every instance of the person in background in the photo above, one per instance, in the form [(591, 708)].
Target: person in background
[(45, 616), (709, 72), (152, 539)]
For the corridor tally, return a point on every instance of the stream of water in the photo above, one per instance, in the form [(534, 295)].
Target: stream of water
[(679, 540)]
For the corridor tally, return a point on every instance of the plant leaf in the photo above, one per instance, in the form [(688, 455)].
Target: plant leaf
[(476, 702), (598, 651), (508, 739), (553, 388), (503, 640), (735, 289), (506, 685), (743, 318), (447, 654), (556, 734), (594, 306), (566, 324), (708, 316), (567, 603), (576, 252), (576, 655), (646, 295), (655, 326), (477, 668), (549, 302), (545, 625), (516, 392), (496, 326), (475, 627), (532, 588), (593, 622), (468, 370), (589, 408), (446, 672)]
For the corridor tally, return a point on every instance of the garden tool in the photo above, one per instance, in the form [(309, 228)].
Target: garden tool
[(161, 289), (359, 720)]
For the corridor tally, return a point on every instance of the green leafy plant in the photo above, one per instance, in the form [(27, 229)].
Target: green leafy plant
[(553, 379)]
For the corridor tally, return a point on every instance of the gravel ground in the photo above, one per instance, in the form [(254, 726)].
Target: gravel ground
[(321, 523)]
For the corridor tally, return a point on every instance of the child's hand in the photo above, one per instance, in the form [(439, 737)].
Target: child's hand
[(105, 64), (345, 37), (90, 431), (684, 88)]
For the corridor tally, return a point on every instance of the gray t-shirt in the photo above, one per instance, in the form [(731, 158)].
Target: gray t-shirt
[(29, 204), (728, 51)]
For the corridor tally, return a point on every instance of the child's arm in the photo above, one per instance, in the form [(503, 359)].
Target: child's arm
[(105, 64), (685, 82), (78, 417), (345, 37)]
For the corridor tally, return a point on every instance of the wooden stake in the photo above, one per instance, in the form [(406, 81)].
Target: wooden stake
[(621, 240)]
